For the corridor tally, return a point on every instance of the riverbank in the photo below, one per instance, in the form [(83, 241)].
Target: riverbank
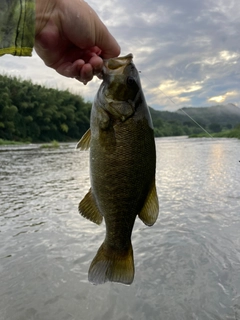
[(11, 142), (52, 144), (234, 133)]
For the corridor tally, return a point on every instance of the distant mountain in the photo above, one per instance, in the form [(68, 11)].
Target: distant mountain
[(221, 114), (182, 122)]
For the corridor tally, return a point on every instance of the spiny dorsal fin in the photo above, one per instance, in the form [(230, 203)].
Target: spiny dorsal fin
[(84, 142), (149, 212), (112, 265), (89, 210)]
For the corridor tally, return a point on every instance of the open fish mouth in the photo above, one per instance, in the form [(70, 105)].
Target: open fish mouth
[(116, 66)]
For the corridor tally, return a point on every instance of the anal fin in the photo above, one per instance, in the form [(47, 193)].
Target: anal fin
[(150, 210), (88, 208)]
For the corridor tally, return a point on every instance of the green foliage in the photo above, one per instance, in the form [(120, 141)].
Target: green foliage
[(234, 133), (172, 125), (9, 142), (53, 144), (36, 113), (214, 119), (215, 127)]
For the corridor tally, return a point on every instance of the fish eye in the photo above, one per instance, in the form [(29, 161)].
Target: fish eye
[(130, 81)]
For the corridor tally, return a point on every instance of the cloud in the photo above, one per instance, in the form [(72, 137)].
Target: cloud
[(223, 98), (187, 51)]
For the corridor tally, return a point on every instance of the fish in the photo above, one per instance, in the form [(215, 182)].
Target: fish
[(122, 169)]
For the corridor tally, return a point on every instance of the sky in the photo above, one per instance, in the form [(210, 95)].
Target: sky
[(188, 51)]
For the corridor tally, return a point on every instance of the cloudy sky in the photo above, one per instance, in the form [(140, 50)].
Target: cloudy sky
[(188, 51)]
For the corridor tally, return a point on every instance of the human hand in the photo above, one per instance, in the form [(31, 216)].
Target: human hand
[(71, 38)]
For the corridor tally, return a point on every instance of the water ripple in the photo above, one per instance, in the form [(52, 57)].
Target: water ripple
[(187, 264)]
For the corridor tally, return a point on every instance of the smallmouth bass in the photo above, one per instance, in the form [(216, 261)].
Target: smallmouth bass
[(122, 169)]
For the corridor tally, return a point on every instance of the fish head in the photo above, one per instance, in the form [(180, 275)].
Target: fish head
[(120, 79), (120, 96)]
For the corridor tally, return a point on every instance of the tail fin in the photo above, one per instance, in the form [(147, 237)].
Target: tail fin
[(109, 265)]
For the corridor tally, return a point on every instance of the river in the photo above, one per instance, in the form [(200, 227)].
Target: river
[(187, 264)]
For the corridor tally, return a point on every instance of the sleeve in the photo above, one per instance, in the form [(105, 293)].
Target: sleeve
[(17, 27)]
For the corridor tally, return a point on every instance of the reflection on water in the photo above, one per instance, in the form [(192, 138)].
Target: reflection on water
[(187, 264)]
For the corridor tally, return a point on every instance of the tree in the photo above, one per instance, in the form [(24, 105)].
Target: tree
[(215, 127), (36, 113)]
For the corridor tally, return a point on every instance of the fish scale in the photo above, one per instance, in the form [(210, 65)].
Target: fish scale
[(122, 169)]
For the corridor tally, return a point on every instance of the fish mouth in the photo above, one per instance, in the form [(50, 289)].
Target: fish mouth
[(116, 65)]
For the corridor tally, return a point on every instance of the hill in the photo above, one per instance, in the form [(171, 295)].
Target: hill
[(221, 114), (213, 119), (34, 113)]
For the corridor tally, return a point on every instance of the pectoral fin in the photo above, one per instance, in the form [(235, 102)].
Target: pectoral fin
[(84, 142), (149, 212), (88, 208)]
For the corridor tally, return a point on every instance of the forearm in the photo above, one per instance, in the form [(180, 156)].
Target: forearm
[(17, 27)]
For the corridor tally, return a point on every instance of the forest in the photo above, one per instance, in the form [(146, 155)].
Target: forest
[(34, 113), (216, 120)]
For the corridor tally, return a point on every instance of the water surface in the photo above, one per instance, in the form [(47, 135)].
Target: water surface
[(187, 264)]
